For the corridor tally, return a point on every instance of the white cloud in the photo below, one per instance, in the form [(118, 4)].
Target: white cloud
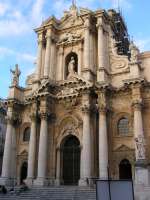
[(37, 11), (3, 8), (5, 52), (122, 4), (143, 44)]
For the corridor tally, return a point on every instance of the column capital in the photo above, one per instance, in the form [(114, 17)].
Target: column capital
[(137, 104), (100, 23), (87, 23), (33, 117), (44, 115), (86, 108), (9, 120), (40, 38)]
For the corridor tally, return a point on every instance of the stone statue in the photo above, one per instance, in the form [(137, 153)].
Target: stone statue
[(134, 52), (15, 75), (140, 146), (71, 67)]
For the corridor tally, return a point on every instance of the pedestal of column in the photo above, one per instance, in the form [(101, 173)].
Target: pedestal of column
[(86, 154), (142, 173), (8, 176), (42, 155), (32, 152)]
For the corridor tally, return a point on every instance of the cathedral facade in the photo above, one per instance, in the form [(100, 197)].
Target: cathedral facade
[(84, 114)]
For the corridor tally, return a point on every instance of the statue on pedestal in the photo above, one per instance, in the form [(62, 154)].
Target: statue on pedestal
[(140, 146), (71, 68), (134, 52), (15, 76)]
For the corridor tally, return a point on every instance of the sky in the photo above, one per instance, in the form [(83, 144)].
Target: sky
[(18, 18)]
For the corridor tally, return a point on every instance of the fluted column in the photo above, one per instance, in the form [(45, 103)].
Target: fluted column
[(8, 166), (80, 50), (101, 72), (60, 71), (39, 56), (32, 151), (53, 61), (86, 67), (86, 154), (103, 138), (103, 145), (47, 54), (42, 155), (58, 167)]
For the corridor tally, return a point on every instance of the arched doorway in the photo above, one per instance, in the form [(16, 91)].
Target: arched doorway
[(125, 170), (23, 172), (71, 161)]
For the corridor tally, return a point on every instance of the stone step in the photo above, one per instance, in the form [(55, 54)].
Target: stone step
[(53, 193)]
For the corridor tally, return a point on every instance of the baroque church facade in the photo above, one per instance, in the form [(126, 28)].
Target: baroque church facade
[(84, 114)]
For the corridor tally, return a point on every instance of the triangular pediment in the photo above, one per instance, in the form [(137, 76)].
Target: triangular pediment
[(123, 148), (70, 21)]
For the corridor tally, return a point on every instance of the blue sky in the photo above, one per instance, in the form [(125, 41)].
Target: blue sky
[(18, 18)]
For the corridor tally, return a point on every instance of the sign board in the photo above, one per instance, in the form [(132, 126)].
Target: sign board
[(114, 190)]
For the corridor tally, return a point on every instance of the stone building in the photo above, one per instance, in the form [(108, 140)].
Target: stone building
[(85, 111), (2, 130)]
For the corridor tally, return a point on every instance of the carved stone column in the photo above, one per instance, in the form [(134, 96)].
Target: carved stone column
[(138, 132), (57, 181), (47, 53), (141, 168), (9, 162), (86, 68), (86, 159), (60, 71), (53, 60), (103, 138), (80, 50), (39, 56), (43, 146), (32, 151), (101, 73)]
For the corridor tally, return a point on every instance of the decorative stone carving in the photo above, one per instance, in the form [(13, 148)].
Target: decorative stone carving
[(15, 76), (140, 146), (134, 53), (118, 62), (69, 38)]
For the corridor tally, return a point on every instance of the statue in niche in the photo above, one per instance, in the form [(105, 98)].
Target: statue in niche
[(134, 52), (140, 146), (15, 75), (71, 68)]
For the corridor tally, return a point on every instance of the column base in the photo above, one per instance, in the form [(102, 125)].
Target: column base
[(40, 181), (7, 181), (85, 182), (57, 182), (142, 173), (29, 181)]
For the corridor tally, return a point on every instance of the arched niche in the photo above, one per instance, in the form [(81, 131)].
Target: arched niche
[(67, 61)]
